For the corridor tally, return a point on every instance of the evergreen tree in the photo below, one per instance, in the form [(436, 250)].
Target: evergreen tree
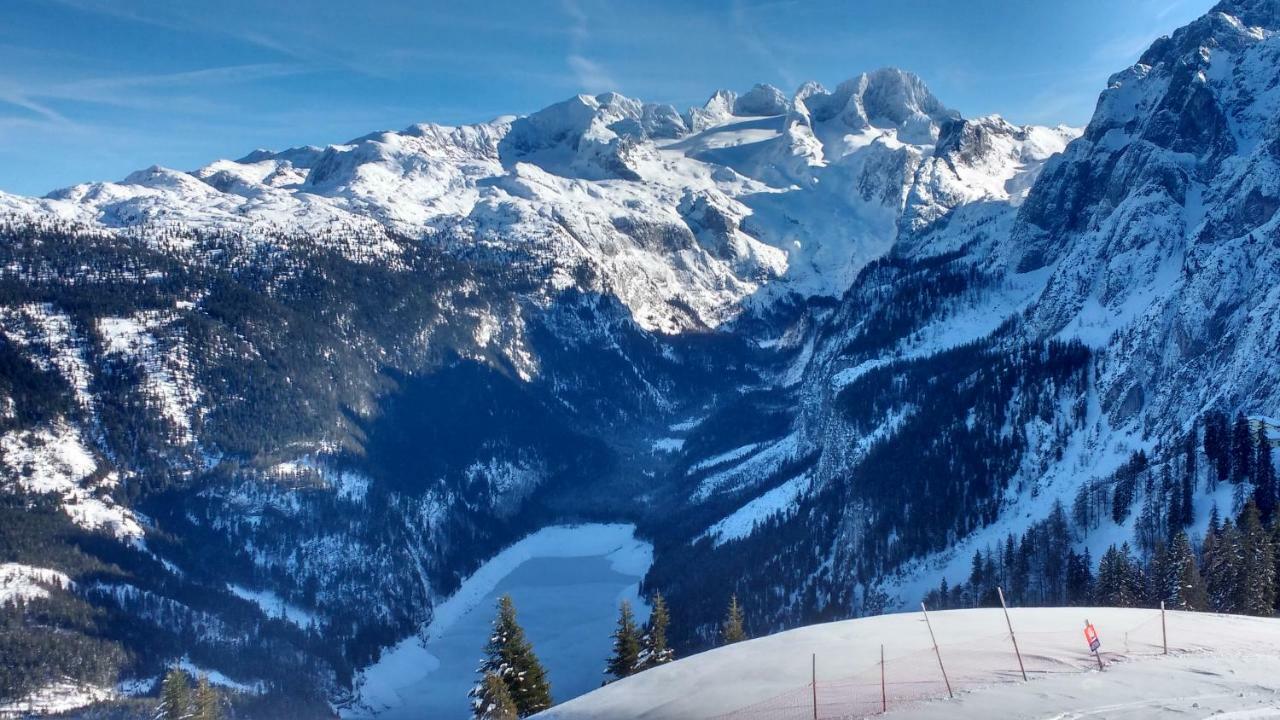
[(1079, 579), (1221, 551), (655, 649), (1264, 477), (1241, 450), (509, 656), (1255, 576), (493, 701), (732, 631), (1275, 547), (626, 645), (1216, 444), (1163, 577), (1116, 581), (175, 696), (208, 706), (1187, 505), (1190, 461), (1189, 590)]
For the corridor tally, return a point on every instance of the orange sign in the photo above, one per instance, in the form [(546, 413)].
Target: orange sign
[(1091, 637)]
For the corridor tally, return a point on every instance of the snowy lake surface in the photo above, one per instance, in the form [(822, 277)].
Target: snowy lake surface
[(566, 581)]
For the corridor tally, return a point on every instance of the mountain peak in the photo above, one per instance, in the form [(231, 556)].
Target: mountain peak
[(1256, 13)]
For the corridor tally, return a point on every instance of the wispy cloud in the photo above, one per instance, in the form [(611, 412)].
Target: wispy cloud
[(590, 75), (750, 37)]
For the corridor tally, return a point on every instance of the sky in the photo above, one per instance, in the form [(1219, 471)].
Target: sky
[(95, 89)]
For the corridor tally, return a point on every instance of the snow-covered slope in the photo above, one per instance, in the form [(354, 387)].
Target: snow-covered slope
[(1218, 665)]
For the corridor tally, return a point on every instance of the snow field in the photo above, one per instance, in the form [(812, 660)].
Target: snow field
[(772, 677), (25, 583)]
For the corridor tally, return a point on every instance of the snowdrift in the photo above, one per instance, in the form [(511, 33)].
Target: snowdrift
[(1215, 664)]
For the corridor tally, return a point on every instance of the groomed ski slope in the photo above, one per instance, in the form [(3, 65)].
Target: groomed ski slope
[(1224, 666)]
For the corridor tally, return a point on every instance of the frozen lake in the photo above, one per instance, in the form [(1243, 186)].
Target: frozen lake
[(566, 581)]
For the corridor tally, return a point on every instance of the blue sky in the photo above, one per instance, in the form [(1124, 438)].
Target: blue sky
[(94, 89)]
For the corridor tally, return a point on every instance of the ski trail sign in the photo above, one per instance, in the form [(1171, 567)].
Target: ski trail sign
[(1091, 637)]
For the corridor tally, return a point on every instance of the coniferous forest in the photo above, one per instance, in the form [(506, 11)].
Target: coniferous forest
[(1227, 560)]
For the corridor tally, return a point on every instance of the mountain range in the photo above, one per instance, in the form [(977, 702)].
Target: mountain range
[(819, 348)]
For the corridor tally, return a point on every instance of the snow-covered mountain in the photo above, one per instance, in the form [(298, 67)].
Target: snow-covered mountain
[(681, 217), (819, 349)]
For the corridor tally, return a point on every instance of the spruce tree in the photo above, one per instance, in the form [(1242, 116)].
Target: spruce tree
[(175, 696), (208, 706), (1217, 443), (1189, 589), (626, 645), (493, 700), (509, 655), (1116, 578), (1241, 450), (1079, 579), (1264, 477), (1221, 553), (654, 648), (1188, 495), (1275, 546), (1255, 577), (732, 630)]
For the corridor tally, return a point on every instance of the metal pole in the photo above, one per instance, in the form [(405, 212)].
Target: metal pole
[(936, 651), (1164, 631), (815, 686), (1012, 637), (884, 698)]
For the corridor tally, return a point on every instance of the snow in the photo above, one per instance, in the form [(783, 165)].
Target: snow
[(54, 459), (724, 457), (741, 522), (156, 344), (217, 678), (274, 606), (686, 425), (25, 583), (803, 191), (755, 469), (58, 346), (566, 581), (57, 697), (1220, 662), (668, 445)]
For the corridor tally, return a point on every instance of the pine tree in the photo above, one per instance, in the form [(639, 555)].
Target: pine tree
[(208, 706), (1255, 579), (1189, 590), (510, 656), (1079, 579), (732, 630), (1216, 442), (1163, 577), (1116, 578), (626, 645), (1187, 505), (1241, 450), (654, 648), (1264, 477), (1221, 553), (493, 701), (1275, 546), (175, 696)]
